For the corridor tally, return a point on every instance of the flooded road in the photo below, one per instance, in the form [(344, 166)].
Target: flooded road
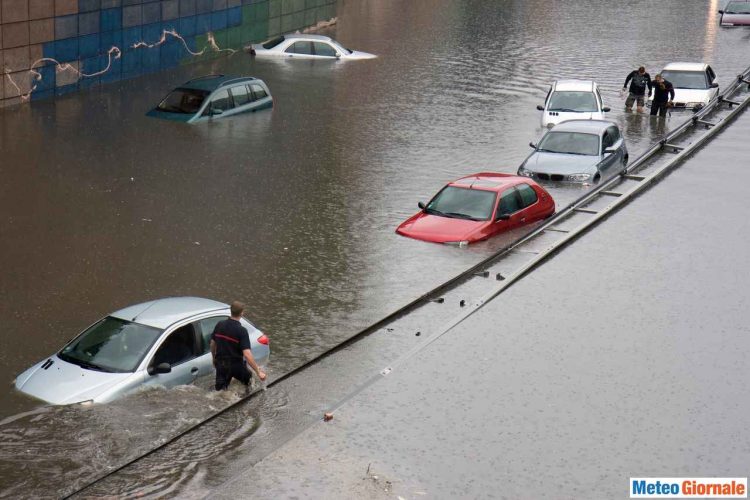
[(291, 210)]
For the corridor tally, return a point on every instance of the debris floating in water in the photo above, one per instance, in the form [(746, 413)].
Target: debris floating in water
[(327, 416)]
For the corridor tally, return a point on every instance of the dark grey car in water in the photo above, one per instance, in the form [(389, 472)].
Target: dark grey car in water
[(577, 151)]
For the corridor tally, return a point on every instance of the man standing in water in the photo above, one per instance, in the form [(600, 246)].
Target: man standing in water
[(638, 80), (663, 96), (230, 344)]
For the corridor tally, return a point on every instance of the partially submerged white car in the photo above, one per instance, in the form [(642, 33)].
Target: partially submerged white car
[(300, 46), (694, 84), (572, 100), (164, 342)]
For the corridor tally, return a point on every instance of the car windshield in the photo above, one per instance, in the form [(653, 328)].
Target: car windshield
[(686, 79), (111, 345), (575, 143), (462, 203), (273, 42), (186, 101), (573, 102), (737, 8)]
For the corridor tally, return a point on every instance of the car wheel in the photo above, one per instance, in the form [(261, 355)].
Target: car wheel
[(597, 178)]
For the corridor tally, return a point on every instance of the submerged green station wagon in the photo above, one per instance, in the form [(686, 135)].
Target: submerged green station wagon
[(213, 96)]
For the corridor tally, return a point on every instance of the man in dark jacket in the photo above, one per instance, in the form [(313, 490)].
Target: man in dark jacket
[(663, 96), (638, 80), (230, 344)]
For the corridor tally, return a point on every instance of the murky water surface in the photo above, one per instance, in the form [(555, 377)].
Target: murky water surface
[(291, 210)]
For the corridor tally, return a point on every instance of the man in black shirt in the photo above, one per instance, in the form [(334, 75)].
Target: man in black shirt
[(638, 80), (663, 96), (230, 344)]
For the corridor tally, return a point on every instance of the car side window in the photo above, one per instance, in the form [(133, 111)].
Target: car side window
[(607, 141), (323, 49), (207, 328), (300, 48), (546, 99), (509, 203), (221, 101), (180, 346), (528, 195), (240, 95), (258, 91), (614, 134), (711, 74)]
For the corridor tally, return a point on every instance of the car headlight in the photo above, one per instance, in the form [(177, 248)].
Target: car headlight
[(579, 177), (526, 173), (462, 243)]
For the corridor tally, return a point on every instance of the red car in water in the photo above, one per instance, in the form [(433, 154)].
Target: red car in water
[(477, 207)]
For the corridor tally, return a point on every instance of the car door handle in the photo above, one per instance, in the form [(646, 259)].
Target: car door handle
[(194, 369)]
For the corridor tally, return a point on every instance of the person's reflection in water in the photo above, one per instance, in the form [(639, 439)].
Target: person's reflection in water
[(658, 125), (634, 125)]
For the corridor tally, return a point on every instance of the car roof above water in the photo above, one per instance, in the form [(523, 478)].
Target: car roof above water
[(161, 313), (584, 126), (575, 85), (685, 66), (489, 181), (303, 36), (213, 82)]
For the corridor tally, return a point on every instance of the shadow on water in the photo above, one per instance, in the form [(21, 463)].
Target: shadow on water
[(292, 210)]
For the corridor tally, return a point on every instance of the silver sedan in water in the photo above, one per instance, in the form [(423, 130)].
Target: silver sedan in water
[(577, 151), (300, 46), (163, 342)]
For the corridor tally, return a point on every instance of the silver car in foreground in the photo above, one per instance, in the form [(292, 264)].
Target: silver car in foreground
[(305, 47), (163, 342), (577, 151)]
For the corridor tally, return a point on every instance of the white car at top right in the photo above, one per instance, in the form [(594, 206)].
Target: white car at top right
[(694, 84), (736, 13)]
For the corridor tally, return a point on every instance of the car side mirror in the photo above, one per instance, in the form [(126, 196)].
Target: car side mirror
[(606, 109), (714, 85), (608, 151), (216, 111), (160, 368), (721, 12), (502, 217), (338, 55), (540, 107), (421, 205), (532, 145)]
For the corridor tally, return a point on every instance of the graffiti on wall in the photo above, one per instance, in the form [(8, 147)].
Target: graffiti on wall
[(113, 54)]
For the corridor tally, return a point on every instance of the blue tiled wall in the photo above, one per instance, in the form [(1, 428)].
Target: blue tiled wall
[(82, 32)]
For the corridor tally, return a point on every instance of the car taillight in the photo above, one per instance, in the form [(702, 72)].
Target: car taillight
[(263, 339)]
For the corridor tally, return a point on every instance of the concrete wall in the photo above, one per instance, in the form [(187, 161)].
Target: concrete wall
[(51, 47)]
